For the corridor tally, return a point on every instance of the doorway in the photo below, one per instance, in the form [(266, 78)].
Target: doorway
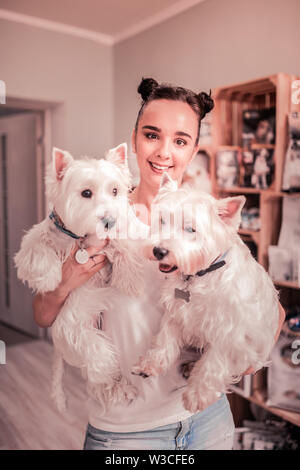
[(24, 136)]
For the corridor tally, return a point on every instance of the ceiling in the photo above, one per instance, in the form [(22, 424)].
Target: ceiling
[(117, 19)]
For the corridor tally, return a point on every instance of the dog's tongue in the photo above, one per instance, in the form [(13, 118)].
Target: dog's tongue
[(166, 268)]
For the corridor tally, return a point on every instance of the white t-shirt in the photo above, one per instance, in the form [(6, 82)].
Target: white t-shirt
[(131, 324)]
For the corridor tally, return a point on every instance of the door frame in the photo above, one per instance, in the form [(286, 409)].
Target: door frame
[(43, 109)]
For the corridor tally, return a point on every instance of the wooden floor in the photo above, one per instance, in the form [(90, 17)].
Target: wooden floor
[(12, 336), (28, 419)]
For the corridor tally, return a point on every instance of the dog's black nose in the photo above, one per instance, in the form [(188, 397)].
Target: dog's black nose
[(160, 253), (108, 222)]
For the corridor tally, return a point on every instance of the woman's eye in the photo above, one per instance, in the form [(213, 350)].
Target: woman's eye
[(151, 136), (180, 142), (115, 191), (87, 193), (162, 221), (189, 229)]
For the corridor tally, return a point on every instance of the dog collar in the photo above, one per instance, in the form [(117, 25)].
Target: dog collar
[(216, 264), (61, 226), (81, 255)]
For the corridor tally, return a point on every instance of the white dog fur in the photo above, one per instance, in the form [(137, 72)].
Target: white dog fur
[(233, 311), (75, 333)]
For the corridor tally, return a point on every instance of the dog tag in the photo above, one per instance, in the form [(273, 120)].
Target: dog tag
[(82, 256), (182, 294)]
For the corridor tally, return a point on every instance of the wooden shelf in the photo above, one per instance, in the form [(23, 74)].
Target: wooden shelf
[(255, 87), (247, 190), (253, 147), (245, 231), (290, 194), (240, 190), (254, 234), (229, 147), (288, 284), (259, 398), (280, 194), (206, 148), (263, 146), (226, 129)]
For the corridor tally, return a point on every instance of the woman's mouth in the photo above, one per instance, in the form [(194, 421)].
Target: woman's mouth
[(167, 268), (159, 169)]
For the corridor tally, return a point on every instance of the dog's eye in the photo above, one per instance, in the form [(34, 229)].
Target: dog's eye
[(189, 229), (87, 193), (115, 191)]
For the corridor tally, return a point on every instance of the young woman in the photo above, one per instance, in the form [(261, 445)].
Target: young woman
[(165, 139)]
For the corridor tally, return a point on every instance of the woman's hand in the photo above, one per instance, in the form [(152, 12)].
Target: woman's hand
[(47, 306), (75, 274), (250, 370)]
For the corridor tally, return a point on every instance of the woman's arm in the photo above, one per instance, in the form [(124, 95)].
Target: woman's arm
[(250, 370), (281, 321), (47, 306)]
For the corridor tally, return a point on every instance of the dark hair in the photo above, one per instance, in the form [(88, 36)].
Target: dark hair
[(150, 90)]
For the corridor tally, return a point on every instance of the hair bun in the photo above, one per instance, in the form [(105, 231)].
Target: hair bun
[(207, 103), (146, 87)]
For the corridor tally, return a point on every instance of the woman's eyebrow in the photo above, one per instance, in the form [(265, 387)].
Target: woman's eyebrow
[(157, 129), (153, 128), (183, 134)]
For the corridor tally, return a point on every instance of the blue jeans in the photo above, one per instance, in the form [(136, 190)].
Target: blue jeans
[(211, 429)]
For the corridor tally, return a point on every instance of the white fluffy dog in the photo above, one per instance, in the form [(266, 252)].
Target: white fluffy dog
[(88, 199), (216, 297)]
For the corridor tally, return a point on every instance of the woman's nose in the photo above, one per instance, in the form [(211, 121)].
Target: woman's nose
[(164, 150)]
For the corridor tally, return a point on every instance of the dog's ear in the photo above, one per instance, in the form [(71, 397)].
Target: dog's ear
[(229, 210), (61, 160), (118, 155), (167, 184)]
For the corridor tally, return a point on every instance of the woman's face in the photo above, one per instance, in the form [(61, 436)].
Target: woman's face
[(165, 140)]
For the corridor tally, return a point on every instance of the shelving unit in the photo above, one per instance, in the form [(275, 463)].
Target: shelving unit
[(259, 398), (287, 284), (226, 133)]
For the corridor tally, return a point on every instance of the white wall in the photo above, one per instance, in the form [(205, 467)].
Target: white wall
[(215, 43), (78, 73)]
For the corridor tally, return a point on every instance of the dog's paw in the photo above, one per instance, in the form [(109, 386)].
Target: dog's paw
[(60, 403), (120, 390), (197, 399), (186, 369), (150, 366), (58, 397), (124, 391)]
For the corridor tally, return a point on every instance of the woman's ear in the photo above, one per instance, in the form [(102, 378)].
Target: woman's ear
[(195, 151), (133, 139)]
